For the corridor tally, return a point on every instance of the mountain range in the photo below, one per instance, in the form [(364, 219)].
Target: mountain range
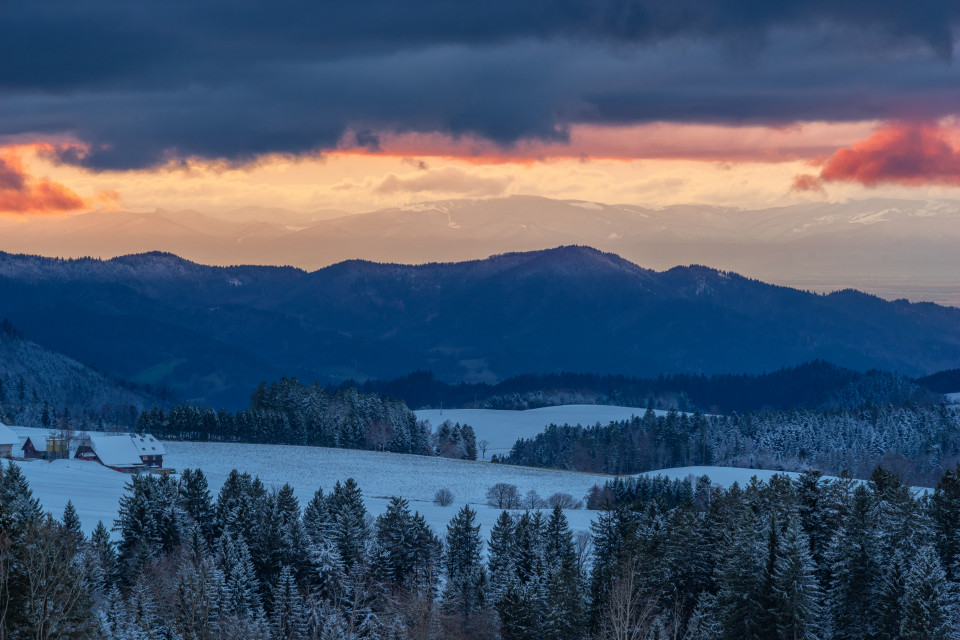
[(32, 377), (212, 333), (893, 248)]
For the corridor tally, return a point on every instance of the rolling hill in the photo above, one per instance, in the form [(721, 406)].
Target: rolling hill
[(212, 333)]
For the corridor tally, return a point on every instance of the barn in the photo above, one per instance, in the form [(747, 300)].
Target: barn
[(30, 451), (117, 452), (8, 440), (151, 451)]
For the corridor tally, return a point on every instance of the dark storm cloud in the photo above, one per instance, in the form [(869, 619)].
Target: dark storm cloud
[(145, 82)]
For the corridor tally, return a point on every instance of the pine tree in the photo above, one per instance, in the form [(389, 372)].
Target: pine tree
[(501, 557), (798, 603), (241, 593), (469, 439), (466, 578), (288, 618), (349, 516), (71, 523), (196, 609), (563, 614), (195, 501), (104, 555), (317, 521), (393, 543), (887, 602), (945, 512), (853, 567), (928, 609), (740, 582)]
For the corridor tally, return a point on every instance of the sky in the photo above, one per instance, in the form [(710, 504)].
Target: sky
[(355, 106)]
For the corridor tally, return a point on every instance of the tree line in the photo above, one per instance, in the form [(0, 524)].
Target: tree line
[(816, 384), (806, 559), (288, 412), (918, 442)]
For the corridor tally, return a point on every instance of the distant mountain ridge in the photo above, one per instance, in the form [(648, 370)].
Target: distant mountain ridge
[(212, 333), (894, 248)]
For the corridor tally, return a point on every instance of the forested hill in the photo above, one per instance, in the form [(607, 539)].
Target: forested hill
[(40, 387), (816, 384), (214, 333)]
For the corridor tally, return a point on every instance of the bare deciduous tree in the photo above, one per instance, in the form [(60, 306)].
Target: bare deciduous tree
[(503, 496), (627, 615), (443, 497), (56, 600), (564, 501)]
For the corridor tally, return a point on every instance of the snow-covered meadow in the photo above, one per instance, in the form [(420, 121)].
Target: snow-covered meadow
[(96, 490), (502, 428)]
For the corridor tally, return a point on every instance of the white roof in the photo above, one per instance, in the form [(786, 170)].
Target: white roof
[(7, 436), (115, 451), (147, 444)]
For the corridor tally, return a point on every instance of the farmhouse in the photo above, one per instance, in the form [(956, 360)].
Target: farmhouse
[(8, 440), (151, 451), (57, 448), (117, 452)]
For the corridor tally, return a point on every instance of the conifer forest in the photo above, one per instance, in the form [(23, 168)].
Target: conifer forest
[(805, 558)]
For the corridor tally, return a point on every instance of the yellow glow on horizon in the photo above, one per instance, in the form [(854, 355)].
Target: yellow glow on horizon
[(652, 165)]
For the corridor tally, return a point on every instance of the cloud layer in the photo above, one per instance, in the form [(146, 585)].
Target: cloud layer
[(20, 193), (909, 154), (141, 84)]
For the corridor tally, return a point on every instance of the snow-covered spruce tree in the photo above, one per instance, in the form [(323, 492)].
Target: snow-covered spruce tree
[(349, 516), (929, 605), (466, 585), (945, 513), (241, 594), (195, 607), (798, 610), (689, 550), (500, 556), (280, 540), (522, 606), (317, 522), (614, 546), (394, 544), (71, 523), (854, 570), (150, 521), (288, 619), (196, 503), (563, 610), (469, 438), (428, 553), (886, 605), (240, 506), (740, 572)]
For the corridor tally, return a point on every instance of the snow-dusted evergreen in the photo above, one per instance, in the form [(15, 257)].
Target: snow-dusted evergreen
[(805, 558)]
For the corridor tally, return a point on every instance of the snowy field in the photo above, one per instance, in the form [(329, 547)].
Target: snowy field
[(96, 490), (502, 428), (953, 398)]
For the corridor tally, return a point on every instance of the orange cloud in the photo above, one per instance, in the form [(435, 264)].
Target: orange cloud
[(21, 193), (909, 154)]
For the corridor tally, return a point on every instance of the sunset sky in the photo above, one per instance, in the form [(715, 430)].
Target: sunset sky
[(355, 106)]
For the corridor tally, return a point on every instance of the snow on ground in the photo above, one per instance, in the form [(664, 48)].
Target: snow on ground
[(96, 490), (502, 428), (953, 398)]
